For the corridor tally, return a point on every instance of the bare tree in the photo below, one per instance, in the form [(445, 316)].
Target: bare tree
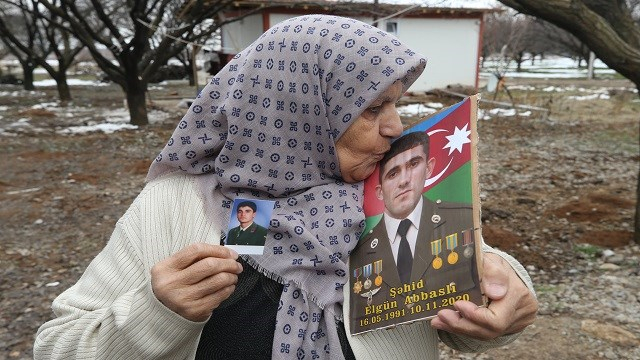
[(507, 35), (526, 42), (46, 38), (4, 51), (610, 28), (493, 35), (562, 42), (537, 43), (527, 38), (505, 40), (140, 36), (26, 29), (186, 58)]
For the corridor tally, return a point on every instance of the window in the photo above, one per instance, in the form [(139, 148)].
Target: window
[(392, 27)]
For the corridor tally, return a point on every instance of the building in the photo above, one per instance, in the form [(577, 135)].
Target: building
[(450, 38)]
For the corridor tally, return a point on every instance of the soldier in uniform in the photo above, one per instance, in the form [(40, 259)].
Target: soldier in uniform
[(408, 247), (248, 232)]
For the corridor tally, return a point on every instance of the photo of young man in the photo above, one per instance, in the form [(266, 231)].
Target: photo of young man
[(248, 232), (408, 246)]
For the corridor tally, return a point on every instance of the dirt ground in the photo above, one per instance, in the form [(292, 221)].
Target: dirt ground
[(550, 183)]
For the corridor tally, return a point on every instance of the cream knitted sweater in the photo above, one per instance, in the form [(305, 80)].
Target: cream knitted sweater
[(112, 313)]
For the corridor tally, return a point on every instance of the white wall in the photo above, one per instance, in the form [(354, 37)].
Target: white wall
[(450, 46), (276, 18), (239, 34)]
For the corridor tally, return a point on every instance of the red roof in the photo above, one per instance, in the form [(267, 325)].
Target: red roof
[(347, 8)]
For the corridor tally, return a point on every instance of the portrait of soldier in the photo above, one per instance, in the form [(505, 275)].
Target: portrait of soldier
[(413, 246), (248, 232)]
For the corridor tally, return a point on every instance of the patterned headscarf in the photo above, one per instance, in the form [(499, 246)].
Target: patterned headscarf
[(265, 127)]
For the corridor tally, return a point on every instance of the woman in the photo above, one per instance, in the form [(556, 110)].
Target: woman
[(299, 117)]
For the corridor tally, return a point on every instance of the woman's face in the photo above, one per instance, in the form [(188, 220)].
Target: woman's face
[(369, 137)]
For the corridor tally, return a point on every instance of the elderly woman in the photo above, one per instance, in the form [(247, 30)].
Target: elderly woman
[(300, 117)]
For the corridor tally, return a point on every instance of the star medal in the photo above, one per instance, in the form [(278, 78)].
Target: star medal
[(357, 287), (452, 243), (436, 248), (366, 271), (466, 241), (377, 268)]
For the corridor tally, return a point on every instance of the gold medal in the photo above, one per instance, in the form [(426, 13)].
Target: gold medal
[(452, 258), (377, 268), (437, 263), (357, 287), (436, 248), (452, 243)]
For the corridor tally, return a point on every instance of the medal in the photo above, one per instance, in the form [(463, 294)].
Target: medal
[(367, 284), (468, 252), (466, 241), (452, 243), (357, 287), (366, 271), (436, 248), (452, 258), (377, 268), (369, 295)]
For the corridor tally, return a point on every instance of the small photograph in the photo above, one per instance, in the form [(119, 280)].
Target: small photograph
[(248, 225)]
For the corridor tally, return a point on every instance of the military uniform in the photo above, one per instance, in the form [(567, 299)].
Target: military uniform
[(253, 235), (434, 267)]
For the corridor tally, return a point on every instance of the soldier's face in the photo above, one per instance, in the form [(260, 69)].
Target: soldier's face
[(245, 215), (403, 180)]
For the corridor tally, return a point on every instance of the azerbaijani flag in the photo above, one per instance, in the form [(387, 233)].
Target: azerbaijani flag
[(452, 134)]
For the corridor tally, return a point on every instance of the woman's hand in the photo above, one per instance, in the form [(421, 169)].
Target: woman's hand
[(512, 307), (196, 279)]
